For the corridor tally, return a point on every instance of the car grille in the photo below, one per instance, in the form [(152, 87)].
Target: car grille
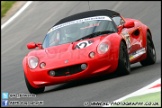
[(68, 70)]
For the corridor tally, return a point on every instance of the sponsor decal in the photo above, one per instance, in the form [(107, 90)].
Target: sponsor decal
[(137, 53), (126, 37), (79, 21)]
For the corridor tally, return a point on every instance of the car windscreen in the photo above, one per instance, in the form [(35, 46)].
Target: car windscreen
[(74, 30)]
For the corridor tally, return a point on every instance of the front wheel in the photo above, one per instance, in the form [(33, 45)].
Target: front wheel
[(32, 89), (123, 62), (151, 53)]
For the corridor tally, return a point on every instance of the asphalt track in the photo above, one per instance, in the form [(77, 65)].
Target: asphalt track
[(33, 24)]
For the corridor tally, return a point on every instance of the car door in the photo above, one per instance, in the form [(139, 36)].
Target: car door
[(132, 35), (135, 37)]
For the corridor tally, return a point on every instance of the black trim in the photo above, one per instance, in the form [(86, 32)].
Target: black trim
[(102, 12)]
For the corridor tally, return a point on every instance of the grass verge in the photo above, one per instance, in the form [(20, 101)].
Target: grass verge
[(147, 100), (5, 6)]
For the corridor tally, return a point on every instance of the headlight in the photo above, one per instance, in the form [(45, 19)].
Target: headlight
[(33, 62), (102, 48)]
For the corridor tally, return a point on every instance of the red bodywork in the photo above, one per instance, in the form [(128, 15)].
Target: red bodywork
[(55, 56)]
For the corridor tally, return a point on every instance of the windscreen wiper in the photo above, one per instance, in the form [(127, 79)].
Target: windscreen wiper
[(95, 34)]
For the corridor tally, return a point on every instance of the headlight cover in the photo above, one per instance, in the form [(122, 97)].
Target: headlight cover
[(102, 48), (33, 62)]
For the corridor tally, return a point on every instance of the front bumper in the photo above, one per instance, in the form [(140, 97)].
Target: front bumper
[(97, 65)]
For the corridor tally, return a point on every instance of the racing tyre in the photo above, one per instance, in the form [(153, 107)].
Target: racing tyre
[(32, 89), (151, 53), (123, 62)]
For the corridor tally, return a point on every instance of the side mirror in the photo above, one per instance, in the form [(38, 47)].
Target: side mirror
[(31, 45), (39, 45), (129, 24)]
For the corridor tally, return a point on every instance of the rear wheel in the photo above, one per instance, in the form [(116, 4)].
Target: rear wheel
[(32, 89), (151, 53), (123, 62)]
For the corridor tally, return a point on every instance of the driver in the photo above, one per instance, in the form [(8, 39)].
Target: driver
[(72, 32), (55, 39)]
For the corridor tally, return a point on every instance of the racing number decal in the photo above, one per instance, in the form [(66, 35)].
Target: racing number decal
[(83, 44)]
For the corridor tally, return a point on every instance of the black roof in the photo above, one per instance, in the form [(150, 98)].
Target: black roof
[(86, 14)]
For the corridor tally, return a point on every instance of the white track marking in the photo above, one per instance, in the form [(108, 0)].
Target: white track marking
[(138, 92), (152, 90), (16, 15)]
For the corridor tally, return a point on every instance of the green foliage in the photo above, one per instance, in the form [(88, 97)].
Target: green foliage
[(5, 6)]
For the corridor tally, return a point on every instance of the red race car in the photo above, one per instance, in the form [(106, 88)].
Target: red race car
[(87, 44)]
